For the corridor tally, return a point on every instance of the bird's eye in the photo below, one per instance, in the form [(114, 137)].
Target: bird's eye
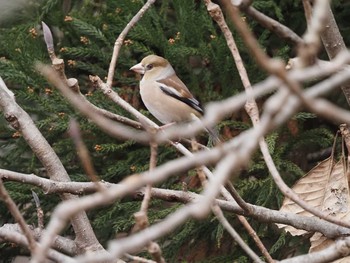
[(149, 66)]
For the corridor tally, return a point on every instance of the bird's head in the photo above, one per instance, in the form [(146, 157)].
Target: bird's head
[(154, 66)]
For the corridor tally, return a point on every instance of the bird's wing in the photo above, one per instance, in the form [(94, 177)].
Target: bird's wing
[(175, 88)]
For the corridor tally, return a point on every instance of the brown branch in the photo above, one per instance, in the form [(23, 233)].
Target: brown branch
[(274, 26), (334, 44), (141, 217), (262, 58), (114, 96), (17, 238), (120, 40), (308, 11), (22, 122), (308, 50), (39, 210), (220, 216), (62, 244), (73, 85), (257, 212), (83, 154), (110, 127), (272, 66), (119, 118), (340, 249), (50, 186), (251, 108), (138, 259), (12, 207), (330, 35), (152, 165)]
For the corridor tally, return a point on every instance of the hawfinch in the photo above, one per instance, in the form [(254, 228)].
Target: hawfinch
[(163, 93)]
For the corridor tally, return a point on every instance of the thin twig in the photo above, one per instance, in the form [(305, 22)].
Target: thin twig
[(39, 211), (220, 216), (273, 25), (112, 128), (17, 215), (315, 17), (114, 96), (119, 42), (152, 165), (83, 154), (141, 217), (240, 201)]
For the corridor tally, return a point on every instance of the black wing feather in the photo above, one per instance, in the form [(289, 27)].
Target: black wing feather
[(192, 102)]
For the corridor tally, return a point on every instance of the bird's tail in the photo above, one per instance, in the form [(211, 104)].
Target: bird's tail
[(214, 138)]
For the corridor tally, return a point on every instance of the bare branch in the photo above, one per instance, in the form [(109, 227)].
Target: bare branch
[(12, 207), (340, 249), (39, 211), (21, 121), (108, 91), (259, 213), (11, 234), (220, 216), (114, 129), (120, 40), (83, 154), (273, 25)]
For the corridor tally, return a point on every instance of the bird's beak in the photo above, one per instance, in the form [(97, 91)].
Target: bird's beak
[(138, 68)]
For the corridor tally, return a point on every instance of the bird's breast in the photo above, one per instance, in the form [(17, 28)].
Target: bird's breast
[(162, 106)]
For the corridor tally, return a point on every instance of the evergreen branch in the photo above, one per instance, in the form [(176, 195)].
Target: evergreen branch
[(89, 30)]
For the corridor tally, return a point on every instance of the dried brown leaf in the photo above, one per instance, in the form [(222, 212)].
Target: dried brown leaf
[(311, 188), (325, 187), (337, 199), (336, 202)]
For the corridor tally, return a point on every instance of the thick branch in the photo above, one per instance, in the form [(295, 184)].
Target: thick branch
[(8, 234), (22, 122), (260, 213)]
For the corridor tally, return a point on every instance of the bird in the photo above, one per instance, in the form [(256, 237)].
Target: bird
[(163, 93), (165, 96)]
